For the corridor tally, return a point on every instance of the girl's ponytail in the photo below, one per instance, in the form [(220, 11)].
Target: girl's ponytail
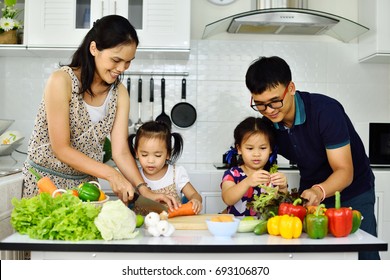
[(177, 148)]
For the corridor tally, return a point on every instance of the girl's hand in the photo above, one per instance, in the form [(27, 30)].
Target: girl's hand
[(196, 205), (280, 180), (259, 177)]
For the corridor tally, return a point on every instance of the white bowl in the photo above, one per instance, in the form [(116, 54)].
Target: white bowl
[(10, 137), (4, 124), (7, 149), (223, 229)]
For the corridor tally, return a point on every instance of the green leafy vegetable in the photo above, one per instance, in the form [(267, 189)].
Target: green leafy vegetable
[(63, 217), (269, 201), (116, 221), (273, 168)]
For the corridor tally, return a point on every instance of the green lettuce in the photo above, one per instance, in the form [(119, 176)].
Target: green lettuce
[(64, 217)]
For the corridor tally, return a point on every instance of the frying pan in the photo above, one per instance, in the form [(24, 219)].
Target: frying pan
[(163, 117), (183, 114)]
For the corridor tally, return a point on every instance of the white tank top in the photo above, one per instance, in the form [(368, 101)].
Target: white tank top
[(97, 113)]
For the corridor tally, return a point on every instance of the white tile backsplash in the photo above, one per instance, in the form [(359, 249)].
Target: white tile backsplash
[(216, 86)]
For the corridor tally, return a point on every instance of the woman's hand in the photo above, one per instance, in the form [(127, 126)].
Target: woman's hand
[(121, 187), (196, 205)]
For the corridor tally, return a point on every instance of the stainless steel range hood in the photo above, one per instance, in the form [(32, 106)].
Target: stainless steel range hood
[(292, 20)]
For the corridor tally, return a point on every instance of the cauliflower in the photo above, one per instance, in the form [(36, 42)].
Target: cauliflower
[(116, 221)]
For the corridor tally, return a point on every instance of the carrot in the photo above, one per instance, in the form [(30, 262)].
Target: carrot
[(184, 210), (45, 184)]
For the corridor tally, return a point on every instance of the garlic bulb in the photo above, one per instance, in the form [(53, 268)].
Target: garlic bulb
[(151, 219), (153, 230), (170, 230), (157, 227), (162, 226)]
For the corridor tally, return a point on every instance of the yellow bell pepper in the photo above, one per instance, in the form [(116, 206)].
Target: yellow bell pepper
[(273, 225), (286, 226)]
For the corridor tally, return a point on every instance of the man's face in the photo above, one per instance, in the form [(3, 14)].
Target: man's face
[(276, 103)]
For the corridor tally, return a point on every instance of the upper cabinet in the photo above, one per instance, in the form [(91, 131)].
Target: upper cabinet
[(374, 45), (162, 25)]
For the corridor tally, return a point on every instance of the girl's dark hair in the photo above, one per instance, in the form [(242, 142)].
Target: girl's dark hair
[(249, 127), (159, 130), (266, 73), (108, 32)]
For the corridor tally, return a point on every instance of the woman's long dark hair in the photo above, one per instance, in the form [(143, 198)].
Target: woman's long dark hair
[(108, 32), (159, 130)]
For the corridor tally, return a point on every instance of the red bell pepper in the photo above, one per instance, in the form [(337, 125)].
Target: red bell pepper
[(340, 218), (292, 209)]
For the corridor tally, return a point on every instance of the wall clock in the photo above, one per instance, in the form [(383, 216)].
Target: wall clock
[(221, 2)]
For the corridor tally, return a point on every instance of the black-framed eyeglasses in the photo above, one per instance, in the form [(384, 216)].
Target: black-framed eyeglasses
[(273, 105)]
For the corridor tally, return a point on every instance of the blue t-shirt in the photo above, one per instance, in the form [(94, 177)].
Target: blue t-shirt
[(321, 123)]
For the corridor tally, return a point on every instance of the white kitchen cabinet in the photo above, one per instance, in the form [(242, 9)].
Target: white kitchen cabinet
[(374, 45), (382, 207), (212, 202), (160, 24), (10, 187)]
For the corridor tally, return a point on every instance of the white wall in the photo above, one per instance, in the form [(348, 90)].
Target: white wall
[(216, 86)]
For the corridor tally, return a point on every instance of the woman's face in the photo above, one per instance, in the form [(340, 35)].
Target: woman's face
[(152, 155), (255, 151), (110, 63)]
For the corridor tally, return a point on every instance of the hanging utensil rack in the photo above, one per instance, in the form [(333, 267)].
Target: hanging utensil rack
[(164, 74)]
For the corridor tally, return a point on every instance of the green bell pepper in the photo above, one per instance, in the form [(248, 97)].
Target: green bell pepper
[(316, 224), (88, 192), (356, 220)]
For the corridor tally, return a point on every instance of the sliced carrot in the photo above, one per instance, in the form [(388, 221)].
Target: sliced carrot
[(45, 184), (184, 210), (222, 218)]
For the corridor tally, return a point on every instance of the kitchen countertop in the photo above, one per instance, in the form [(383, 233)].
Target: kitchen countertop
[(201, 241)]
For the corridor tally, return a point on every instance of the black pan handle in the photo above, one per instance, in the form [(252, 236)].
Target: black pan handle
[(183, 88), (128, 85), (163, 93), (139, 90), (151, 89)]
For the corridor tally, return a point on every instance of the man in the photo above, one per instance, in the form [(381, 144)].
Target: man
[(314, 131)]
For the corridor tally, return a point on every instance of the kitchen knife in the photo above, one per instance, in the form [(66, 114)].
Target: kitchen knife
[(143, 202)]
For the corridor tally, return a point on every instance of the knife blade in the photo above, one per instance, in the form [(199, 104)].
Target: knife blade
[(143, 202)]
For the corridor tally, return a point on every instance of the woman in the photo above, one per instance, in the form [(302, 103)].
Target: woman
[(83, 103)]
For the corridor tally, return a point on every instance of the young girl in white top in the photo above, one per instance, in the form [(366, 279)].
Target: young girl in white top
[(157, 149)]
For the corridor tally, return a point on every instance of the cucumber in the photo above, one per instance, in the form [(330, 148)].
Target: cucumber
[(261, 228), (247, 225)]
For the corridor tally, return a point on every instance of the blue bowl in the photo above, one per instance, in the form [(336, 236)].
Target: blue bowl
[(223, 229)]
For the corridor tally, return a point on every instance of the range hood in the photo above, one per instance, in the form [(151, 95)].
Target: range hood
[(286, 19)]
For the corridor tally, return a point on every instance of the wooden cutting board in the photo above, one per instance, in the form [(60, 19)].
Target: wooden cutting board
[(193, 222)]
